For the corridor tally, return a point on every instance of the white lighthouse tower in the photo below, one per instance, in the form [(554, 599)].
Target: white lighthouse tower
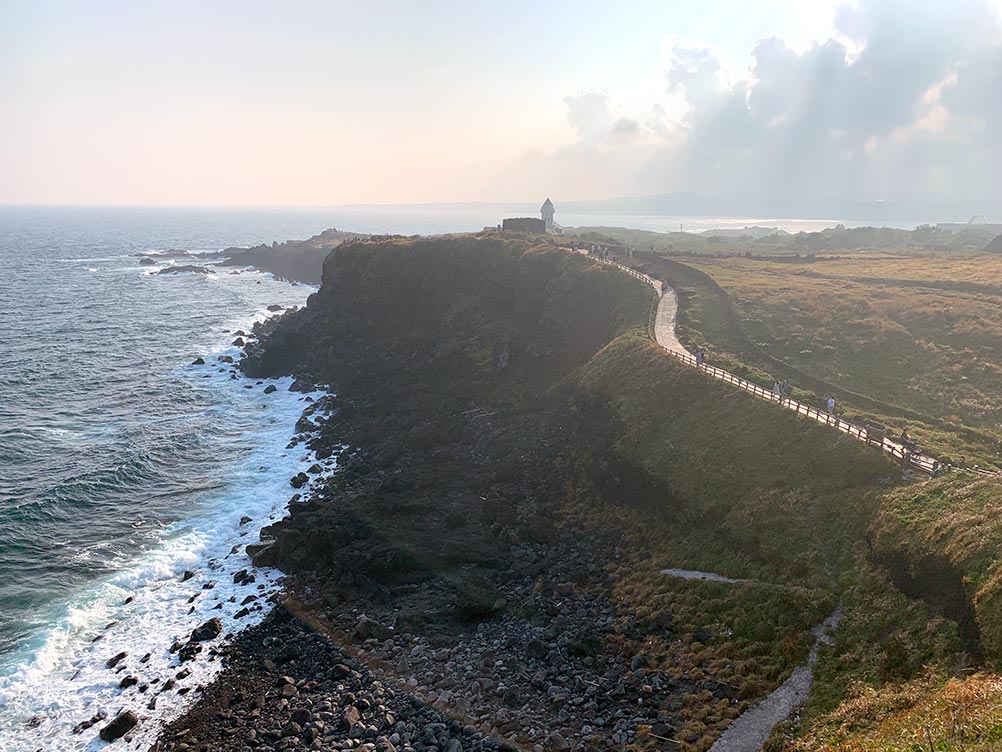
[(547, 211)]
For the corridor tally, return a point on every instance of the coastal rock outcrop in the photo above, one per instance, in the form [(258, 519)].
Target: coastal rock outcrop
[(122, 725), (186, 269)]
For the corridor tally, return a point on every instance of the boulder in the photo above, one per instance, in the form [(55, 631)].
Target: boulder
[(270, 388), (274, 308), (198, 362), (208, 631), (147, 261), (113, 661), (119, 727), (366, 628)]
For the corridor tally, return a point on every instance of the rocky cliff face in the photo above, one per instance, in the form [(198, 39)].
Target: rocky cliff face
[(294, 260), (468, 316)]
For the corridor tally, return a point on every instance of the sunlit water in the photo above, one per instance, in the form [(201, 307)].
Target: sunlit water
[(122, 465)]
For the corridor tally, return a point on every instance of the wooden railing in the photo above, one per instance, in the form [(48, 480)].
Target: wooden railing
[(916, 460)]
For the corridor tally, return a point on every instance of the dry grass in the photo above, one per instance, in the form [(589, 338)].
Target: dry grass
[(927, 714), (922, 334)]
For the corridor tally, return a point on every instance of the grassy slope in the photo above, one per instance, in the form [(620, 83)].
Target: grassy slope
[(888, 329), (694, 474), (941, 529), (767, 497)]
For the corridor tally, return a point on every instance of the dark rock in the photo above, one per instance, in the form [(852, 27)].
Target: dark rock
[(127, 682), (147, 261), (536, 649), (198, 362), (119, 727), (366, 628), (270, 388), (208, 631), (273, 307), (113, 661)]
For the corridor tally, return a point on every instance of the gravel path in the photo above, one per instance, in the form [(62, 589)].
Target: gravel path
[(692, 574), (751, 730)]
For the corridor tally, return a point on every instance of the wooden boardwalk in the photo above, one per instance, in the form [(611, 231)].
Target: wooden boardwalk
[(663, 331)]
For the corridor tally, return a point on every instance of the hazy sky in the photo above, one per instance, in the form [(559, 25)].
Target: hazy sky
[(315, 103)]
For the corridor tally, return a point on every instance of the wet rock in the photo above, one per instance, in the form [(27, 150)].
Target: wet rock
[(113, 661), (128, 681), (119, 727), (147, 261), (274, 308), (299, 480), (198, 362), (207, 631), (270, 388), (189, 651)]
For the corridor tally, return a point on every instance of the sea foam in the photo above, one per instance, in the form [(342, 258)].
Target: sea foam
[(67, 680)]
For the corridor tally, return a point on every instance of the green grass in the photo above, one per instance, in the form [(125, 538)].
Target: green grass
[(904, 349), (694, 474)]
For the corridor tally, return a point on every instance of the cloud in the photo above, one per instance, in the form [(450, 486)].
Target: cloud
[(904, 99)]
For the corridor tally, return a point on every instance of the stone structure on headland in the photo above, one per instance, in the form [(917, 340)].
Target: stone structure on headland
[(531, 224)]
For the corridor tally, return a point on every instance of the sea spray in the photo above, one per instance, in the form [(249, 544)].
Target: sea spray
[(60, 692)]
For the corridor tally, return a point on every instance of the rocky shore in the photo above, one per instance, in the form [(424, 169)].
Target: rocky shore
[(453, 583)]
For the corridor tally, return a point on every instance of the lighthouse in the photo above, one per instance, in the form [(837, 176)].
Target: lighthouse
[(546, 211)]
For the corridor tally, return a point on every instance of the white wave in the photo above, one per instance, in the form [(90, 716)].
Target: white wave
[(65, 680)]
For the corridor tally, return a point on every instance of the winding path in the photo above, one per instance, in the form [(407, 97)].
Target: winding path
[(663, 330), (750, 731)]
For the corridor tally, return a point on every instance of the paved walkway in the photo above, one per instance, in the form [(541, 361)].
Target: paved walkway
[(664, 330)]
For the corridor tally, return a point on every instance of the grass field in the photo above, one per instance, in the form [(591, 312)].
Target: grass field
[(911, 340), (921, 336)]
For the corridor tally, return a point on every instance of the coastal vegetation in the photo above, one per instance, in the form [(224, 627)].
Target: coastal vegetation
[(907, 340), (519, 463)]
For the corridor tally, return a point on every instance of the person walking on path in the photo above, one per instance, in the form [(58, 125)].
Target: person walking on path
[(775, 389), (699, 357), (831, 405)]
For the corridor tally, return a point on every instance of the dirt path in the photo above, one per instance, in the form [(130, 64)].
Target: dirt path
[(692, 574), (752, 728)]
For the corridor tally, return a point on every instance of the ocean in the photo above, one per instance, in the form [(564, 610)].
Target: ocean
[(123, 465)]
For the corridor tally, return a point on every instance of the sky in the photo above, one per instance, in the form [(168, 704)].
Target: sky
[(311, 103)]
